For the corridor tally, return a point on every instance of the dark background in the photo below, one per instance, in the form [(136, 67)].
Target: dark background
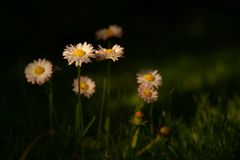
[(42, 27)]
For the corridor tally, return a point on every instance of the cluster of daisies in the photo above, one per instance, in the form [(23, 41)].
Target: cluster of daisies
[(40, 71), (149, 81)]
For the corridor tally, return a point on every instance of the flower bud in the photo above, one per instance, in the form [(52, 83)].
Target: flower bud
[(165, 131)]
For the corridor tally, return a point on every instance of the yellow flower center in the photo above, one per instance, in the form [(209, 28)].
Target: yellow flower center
[(79, 53), (84, 86), (149, 77), (39, 70), (138, 114), (109, 51), (147, 92)]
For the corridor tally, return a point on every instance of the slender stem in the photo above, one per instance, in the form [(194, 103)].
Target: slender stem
[(151, 119), (80, 111), (139, 105), (109, 44), (135, 138), (79, 125), (80, 102), (77, 121), (102, 108), (173, 151), (31, 145), (107, 120), (49, 92), (170, 102), (108, 77), (108, 86), (50, 104), (148, 146)]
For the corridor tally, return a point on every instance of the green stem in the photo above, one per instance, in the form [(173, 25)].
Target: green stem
[(51, 109), (135, 138), (49, 92), (173, 151), (102, 108), (149, 146), (108, 86), (77, 122), (170, 102), (79, 125), (108, 77), (151, 119), (30, 146), (139, 105), (79, 101), (109, 44)]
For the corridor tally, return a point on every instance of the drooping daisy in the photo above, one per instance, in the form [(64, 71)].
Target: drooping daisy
[(148, 93), (151, 77), (112, 53), (39, 71), (80, 53), (87, 86), (111, 31)]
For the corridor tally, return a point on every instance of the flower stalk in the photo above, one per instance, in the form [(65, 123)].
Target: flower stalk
[(151, 119), (101, 109), (51, 109), (79, 124)]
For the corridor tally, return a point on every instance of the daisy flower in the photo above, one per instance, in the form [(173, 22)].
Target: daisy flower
[(87, 86), (112, 53), (39, 71), (147, 92), (151, 77), (111, 31), (80, 53)]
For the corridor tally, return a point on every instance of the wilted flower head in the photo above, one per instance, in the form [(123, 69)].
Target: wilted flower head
[(111, 31), (151, 77), (148, 93), (80, 53), (112, 53), (87, 86), (39, 71)]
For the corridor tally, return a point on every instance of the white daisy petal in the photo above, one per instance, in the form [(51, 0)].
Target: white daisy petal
[(80, 53), (112, 53), (151, 77), (147, 93), (39, 71), (87, 86)]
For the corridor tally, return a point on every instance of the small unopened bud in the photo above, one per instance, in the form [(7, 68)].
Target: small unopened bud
[(138, 114), (165, 131), (137, 118)]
